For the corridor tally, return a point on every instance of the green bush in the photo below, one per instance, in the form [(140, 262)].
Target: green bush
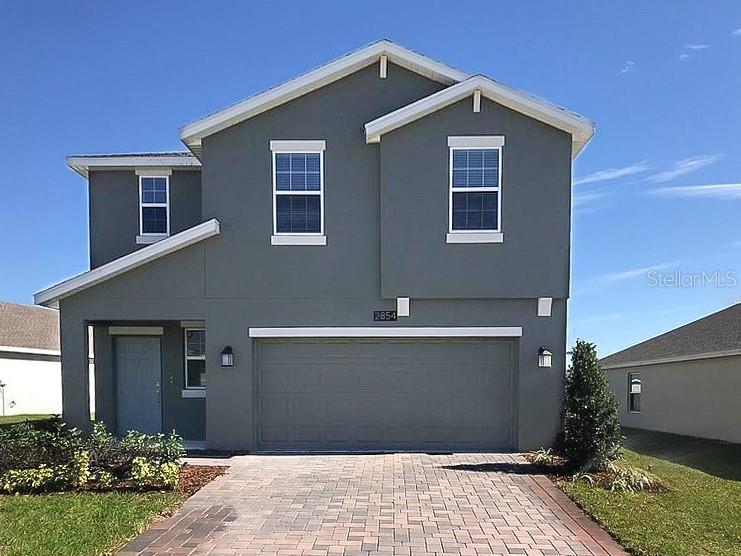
[(148, 474), (590, 437), (53, 459)]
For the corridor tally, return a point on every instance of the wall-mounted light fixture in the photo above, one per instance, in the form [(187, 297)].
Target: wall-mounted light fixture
[(544, 357), (227, 357)]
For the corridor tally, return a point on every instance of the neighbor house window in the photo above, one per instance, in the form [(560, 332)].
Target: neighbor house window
[(195, 358), (634, 393), (475, 189), (154, 205), (298, 192)]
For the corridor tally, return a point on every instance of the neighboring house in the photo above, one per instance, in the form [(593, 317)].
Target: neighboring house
[(686, 381), (30, 373), (246, 293)]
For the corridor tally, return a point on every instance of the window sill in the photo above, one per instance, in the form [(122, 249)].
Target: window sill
[(193, 393), (475, 237), (149, 239), (298, 239)]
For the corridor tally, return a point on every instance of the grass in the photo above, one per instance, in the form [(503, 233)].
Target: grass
[(701, 513), (10, 419), (80, 524)]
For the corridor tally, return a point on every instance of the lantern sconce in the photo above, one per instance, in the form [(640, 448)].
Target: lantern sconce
[(227, 357), (544, 357)]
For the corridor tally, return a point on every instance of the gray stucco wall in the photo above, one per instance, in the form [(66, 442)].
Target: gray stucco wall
[(696, 398), (114, 210), (237, 280), (535, 199)]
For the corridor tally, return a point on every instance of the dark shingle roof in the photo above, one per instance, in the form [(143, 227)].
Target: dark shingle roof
[(719, 332), (26, 326)]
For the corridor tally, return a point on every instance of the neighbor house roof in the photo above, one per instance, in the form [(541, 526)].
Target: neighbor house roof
[(717, 335), (28, 329), (580, 128), (83, 163), (50, 297), (462, 85)]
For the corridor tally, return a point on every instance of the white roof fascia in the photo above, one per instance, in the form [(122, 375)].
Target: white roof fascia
[(580, 128), (192, 133), (82, 164), (50, 297)]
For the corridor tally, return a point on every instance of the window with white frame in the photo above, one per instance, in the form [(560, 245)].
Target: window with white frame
[(195, 358), (298, 188), (154, 205), (475, 184), (635, 385)]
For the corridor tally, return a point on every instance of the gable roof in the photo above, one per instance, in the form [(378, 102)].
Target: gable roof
[(83, 163), (192, 133), (716, 335), (580, 128), (25, 328), (50, 297)]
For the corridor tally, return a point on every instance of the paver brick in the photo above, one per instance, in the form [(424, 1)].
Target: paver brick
[(384, 505)]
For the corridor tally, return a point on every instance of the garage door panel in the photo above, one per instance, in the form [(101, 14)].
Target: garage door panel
[(397, 395)]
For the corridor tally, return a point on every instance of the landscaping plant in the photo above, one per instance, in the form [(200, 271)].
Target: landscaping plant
[(590, 437), (34, 459)]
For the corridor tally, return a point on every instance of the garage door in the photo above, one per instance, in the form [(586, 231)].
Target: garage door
[(339, 395)]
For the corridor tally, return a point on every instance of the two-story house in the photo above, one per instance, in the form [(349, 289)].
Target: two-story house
[(372, 256)]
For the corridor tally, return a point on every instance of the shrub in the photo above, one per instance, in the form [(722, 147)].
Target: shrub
[(629, 479), (39, 479), (544, 457), (34, 459), (148, 474), (590, 438)]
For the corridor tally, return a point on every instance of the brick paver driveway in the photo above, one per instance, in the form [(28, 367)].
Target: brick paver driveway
[(377, 504)]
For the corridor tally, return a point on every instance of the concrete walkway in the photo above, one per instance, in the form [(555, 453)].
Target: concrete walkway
[(408, 504)]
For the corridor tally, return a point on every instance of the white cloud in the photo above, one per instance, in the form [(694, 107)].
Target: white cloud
[(588, 198), (736, 32), (691, 50), (723, 192), (685, 166), (627, 67), (601, 318), (612, 277), (612, 173)]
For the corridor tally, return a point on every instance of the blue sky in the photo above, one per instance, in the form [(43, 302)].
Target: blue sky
[(660, 79)]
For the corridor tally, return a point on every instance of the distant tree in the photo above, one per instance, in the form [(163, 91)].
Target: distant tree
[(591, 436)]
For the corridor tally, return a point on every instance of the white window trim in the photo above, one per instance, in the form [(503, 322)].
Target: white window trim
[(150, 237), (289, 147), (475, 236), (631, 377), (187, 358)]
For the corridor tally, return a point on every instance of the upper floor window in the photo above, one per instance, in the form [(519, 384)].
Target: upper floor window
[(298, 192), (154, 205), (475, 189), (634, 392)]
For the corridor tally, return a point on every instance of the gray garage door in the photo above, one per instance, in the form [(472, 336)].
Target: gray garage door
[(385, 395)]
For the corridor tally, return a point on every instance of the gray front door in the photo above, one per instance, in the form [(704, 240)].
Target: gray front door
[(138, 375), (344, 395)]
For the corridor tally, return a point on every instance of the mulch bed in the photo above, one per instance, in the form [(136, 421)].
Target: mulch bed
[(194, 477), (559, 473)]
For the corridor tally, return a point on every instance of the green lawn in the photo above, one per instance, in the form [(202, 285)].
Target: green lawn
[(701, 513), (10, 419), (76, 524)]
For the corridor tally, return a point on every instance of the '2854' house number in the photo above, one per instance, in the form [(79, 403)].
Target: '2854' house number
[(384, 315)]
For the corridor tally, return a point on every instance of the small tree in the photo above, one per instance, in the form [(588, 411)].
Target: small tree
[(591, 434)]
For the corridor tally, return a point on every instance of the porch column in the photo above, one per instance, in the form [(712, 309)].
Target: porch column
[(75, 371)]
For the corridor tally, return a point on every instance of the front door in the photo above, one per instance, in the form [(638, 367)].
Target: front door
[(138, 375)]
